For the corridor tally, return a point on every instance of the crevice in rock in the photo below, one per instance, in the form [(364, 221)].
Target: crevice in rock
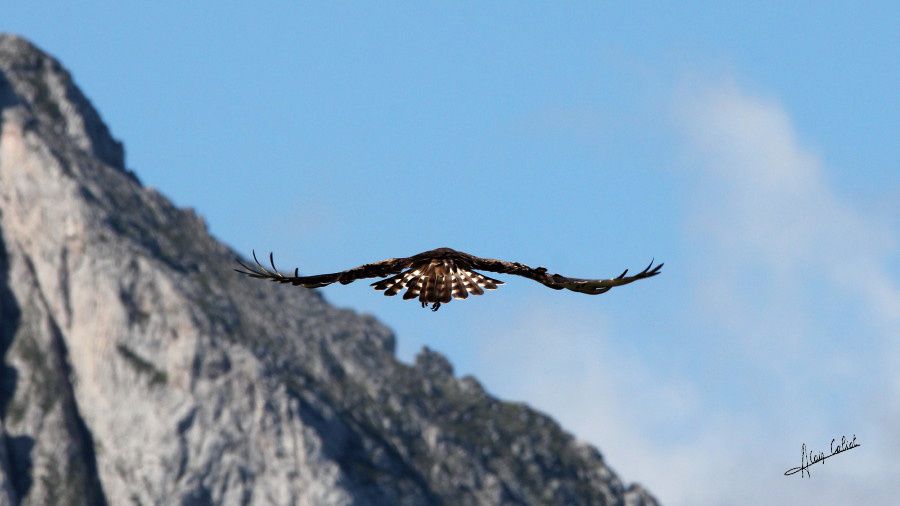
[(65, 292), (18, 449), (83, 478)]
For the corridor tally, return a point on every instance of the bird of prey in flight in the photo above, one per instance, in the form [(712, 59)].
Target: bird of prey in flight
[(439, 275)]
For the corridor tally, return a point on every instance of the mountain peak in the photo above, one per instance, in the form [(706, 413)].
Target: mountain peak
[(35, 87)]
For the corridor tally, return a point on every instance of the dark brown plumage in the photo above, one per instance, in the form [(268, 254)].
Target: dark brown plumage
[(436, 277)]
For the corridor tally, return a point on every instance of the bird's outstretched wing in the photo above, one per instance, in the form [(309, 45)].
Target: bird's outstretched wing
[(374, 270), (439, 275), (558, 282)]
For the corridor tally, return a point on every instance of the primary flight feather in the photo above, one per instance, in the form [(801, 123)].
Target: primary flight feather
[(437, 276)]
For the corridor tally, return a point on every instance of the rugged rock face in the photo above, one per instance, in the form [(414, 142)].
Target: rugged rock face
[(137, 368)]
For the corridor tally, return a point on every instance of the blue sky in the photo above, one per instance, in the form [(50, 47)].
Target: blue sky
[(753, 149)]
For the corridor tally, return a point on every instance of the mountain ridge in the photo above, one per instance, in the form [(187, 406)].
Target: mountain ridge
[(138, 368)]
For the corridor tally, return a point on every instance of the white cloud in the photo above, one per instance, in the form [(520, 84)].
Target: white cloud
[(776, 251), (766, 200), (564, 364), (786, 251)]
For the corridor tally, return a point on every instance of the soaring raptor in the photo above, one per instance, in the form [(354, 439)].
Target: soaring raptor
[(435, 277)]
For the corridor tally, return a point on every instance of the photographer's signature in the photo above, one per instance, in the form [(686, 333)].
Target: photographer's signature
[(809, 457)]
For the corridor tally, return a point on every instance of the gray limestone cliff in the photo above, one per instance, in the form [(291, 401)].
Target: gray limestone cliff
[(137, 368)]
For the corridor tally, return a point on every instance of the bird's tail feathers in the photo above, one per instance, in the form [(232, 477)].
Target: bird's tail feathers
[(437, 281)]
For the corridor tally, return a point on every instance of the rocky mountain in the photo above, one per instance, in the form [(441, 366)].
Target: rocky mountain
[(137, 368)]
